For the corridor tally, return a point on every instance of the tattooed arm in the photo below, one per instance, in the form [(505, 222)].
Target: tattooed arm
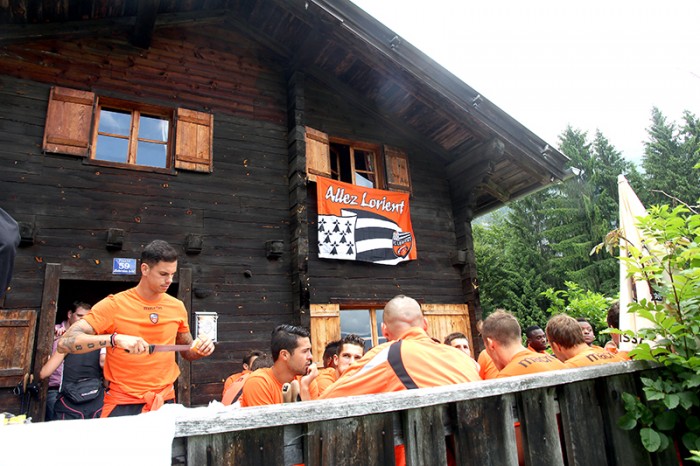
[(204, 346), (81, 338)]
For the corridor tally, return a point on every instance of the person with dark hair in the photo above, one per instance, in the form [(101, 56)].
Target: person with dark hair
[(536, 339), (503, 341), (460, 341), (569, 345), (292, 363), (81, 390), (9, 240), (53, 369), (247, 363), (587, 329), (350, 349), (613, 319), (329, 353), (128, 323)]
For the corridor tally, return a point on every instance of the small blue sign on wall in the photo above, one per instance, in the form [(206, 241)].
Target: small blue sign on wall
[(121, 266)]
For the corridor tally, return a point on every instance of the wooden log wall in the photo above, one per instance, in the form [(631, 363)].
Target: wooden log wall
[(432, 278), (235, 209), (566, 417)]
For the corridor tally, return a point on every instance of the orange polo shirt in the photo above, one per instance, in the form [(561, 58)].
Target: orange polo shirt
[(488, 369), (262, 388), (233, 377), (158, 322), (421, 363), (527, 362), (592, 356), (325, 379)]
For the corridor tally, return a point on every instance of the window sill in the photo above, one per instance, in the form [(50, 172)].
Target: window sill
[(128, 166)]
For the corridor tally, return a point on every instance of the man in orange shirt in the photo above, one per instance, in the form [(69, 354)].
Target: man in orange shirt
[(293, 361), (536, 339), (129, 322), (350, 349), (409, 359), (248, 360), (569, 344), (502, 339)]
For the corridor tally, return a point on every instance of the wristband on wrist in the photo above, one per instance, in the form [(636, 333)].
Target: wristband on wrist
[(113, 340)]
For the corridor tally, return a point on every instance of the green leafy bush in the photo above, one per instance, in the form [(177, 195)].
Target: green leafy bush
[(670, 409)]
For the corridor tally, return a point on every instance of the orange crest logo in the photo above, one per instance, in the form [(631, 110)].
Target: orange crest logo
[(402, 243), (154, 317)]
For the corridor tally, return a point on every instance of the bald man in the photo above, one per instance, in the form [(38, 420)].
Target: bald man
[(409, 359)]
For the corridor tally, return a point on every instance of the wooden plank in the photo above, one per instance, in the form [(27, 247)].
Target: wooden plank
[(184, 294), (248, 447), (477, 423), (424, 436), (582, 424), (45, 334), (625, 446), (356, 440), (538, 427)]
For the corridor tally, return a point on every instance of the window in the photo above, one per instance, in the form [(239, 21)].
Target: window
[(363, 164), (354, 165), (128, 134), (132, 136), (366, 323)]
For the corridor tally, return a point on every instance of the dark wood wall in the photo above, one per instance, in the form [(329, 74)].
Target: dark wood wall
[(238, 207), (432, 278)]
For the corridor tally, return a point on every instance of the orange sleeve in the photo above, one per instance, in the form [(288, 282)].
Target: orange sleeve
[(100, 317), (325, 379)]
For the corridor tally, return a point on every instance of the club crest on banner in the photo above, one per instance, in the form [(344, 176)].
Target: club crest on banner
[(363, 224)]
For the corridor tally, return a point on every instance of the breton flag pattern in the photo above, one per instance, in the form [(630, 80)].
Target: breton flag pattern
[(363, 224)]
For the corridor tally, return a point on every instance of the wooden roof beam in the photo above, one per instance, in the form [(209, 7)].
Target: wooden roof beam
[(145, 26)]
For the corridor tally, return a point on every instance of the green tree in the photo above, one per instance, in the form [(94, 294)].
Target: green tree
[(669, 157), (584, 210)]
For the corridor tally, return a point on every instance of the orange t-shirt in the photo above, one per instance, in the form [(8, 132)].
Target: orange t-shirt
[(592, 357), (527, 362), (158, 322), (234, 391), (232, 378), (488, 369), (326, 377), (424, 362), (262, 388)]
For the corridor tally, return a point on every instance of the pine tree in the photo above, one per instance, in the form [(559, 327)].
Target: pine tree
[(669, 157)]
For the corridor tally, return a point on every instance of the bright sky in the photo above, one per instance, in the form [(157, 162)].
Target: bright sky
[(593, 64)]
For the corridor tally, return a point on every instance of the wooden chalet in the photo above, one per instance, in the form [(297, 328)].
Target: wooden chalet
[(206, 124)]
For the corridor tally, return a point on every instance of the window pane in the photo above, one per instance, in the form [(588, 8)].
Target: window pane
[(111, 149), (380, 318), (362, 181), (115, 122), (358, 322), (155, 129), (152, 154)]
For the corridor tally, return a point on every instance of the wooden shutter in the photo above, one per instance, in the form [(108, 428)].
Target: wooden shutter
[(325, 327), (16, 343), (397, 176), (193, 141), (68, 121), (444, 319), (318, 154)]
